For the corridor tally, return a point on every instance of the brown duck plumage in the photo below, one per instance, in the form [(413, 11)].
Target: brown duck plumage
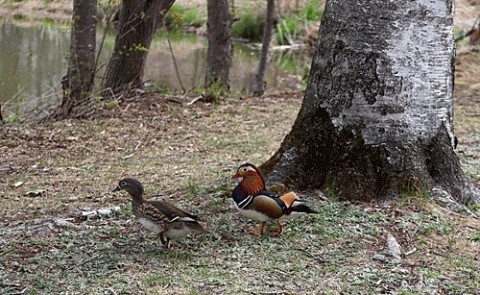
[(253, 201), (160, 217)]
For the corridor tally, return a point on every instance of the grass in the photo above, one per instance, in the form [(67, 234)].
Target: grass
[(314, 255), (287, 30), (249, 26), (179, 16), (466, 116), (312, 11), (290, 27), (187, 154), (216, 92)]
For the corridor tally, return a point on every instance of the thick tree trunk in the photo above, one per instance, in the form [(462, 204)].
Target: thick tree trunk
[(259, 84), (137, 23), (77, 83), (376, 120), (219, 54)]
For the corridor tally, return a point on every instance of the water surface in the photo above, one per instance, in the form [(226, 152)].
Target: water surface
[(33, 59)]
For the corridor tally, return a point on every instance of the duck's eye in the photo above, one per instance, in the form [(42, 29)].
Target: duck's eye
[(123, 183), (244, 169)]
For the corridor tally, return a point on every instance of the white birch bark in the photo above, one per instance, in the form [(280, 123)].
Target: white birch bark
[(407, 76), (377, 117)]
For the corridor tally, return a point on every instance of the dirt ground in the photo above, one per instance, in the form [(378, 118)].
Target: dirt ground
[(63, 231)]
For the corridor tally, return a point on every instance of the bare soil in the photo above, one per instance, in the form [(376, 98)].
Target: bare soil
[(54, 173)]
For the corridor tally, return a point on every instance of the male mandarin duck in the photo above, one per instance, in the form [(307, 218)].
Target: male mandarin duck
[(160, 217), (253, 201)]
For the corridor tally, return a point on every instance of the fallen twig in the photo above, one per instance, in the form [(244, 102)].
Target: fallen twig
[(19, 293), (408, 253), (83, 262), (469, 32), (317, 259), (194, 100)]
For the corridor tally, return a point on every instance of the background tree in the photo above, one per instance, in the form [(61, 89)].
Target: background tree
[(259, 84), (77, 83), (219, 53), (137, 23), (377, 116)]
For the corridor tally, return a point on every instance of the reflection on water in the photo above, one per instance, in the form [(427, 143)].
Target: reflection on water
[(33, 60)]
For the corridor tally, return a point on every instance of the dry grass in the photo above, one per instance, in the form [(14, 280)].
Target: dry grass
[(60, 10), (467, 110), (187, 153), (169, 146)]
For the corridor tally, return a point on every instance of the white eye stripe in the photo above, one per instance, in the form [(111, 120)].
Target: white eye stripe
[(248, 168)]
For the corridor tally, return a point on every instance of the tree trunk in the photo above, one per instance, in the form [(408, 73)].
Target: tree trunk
[(77, 83), (259, 84), (137, 23), (377, 116), (219, 52)]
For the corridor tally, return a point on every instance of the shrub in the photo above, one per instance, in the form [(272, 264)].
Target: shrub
[(287, 30), (178, 16), (250, 27), (311, 11)]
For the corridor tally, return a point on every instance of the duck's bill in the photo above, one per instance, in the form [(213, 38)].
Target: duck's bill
[(116, 189)]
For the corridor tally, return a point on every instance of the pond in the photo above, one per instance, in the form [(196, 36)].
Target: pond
[(33, 59)]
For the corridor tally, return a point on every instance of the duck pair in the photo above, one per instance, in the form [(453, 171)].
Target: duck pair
[(250, 196)]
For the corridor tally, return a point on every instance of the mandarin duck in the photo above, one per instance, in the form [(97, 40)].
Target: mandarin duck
[(253, 201), (160, 217)]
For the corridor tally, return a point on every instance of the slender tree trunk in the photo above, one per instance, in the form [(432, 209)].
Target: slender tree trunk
[(259, 84), (137, 23), (377, 117), (77, 83), (219, 54)]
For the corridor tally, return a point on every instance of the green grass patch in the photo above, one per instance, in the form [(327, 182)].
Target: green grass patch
[(115, 255), (311, 11), (249, 26), (179, 16), (289, 27), (216, 92), (287, 30)]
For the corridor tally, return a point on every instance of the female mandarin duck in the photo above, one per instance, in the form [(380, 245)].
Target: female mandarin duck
[(159, 217), (253, 201)]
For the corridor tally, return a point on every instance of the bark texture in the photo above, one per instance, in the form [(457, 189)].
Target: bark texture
[(376, 120), (219, 54), (77, 83), (259, 84), (137, 23)]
